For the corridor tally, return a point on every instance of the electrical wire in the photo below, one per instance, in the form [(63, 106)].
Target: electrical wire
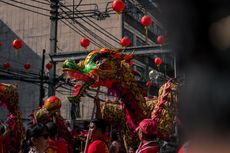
[(21, 73), (15, 61), (106, 33), (97, 25), (84, 35), (24, 8), (40, 2), (90, 32), (30, 5), (77, 30), (104, 42), (78, 4), (103, 32), (80, 33)]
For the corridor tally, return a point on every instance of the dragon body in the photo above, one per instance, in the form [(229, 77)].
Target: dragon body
[(112, 69), (15, 131)]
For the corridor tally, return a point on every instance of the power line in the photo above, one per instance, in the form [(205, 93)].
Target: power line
[(20, 73), (24, 8), (80, 33), (15, 61), (97, 25), (106, 43), (110, 36), (106, 33), (40, 2), (30, 5), (78, 4), (90, 32)]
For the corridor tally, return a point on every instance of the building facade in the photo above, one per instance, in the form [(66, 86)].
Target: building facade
[(29, 20)]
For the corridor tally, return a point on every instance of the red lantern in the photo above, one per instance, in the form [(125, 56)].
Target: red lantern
[(146, 21), (17, 44), (158, 61), (85, 42), (125, 41), (52, 103), (118, 6), (49, 66), (1, 43), (6, 66), (160, 40), (148, 84), (27, 66)]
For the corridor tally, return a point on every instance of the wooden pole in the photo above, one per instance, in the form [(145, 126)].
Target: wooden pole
[(93, 113), (95, 103)]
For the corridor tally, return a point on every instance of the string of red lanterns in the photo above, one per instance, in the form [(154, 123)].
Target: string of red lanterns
[(49, 66), (118, 6), (161, 40), (84, 42), (158, 61), (6, 66), (17, 44), (125, 41), (27, 66), (146, 21)]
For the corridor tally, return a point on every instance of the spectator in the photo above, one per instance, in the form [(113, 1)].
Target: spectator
[(147, 130), (98, 144), (115, 145), (36, 139)]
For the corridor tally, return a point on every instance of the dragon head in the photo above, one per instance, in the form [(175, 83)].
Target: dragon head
[(99, 68)]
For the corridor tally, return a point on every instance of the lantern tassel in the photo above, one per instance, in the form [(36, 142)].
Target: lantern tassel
[(26, 70), (146, 34), (17, 52), (158, 67), (118, 15)]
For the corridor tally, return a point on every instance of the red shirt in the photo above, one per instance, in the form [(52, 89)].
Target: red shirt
[(98, 146), (56, 147), (149, 147)]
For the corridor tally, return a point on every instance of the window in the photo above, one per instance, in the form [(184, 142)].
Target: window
[(141, 71), (130, 35), (140, 42)]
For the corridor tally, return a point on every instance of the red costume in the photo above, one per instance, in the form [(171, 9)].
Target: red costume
[(98, 146), (149, 147), (57, 147), (148, 127)]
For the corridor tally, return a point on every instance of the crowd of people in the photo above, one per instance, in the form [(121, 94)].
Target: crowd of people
[(43, 138), (40, 138)]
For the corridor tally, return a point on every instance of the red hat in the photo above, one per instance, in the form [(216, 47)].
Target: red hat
[(147, 126)]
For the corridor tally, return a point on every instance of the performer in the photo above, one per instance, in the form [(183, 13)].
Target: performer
[(37, 139), (147, 134), (55, 145), (2, 135), (96, 135)]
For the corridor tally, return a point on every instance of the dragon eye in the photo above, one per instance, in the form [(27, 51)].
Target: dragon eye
[(100, 61)]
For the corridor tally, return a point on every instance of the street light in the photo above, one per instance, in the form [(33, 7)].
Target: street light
[(157, 78)]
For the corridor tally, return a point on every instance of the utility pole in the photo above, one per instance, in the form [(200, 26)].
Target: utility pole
[(41, 83), (54, 5)]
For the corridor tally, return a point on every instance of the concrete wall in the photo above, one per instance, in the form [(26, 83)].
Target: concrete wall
[(34, 30)]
